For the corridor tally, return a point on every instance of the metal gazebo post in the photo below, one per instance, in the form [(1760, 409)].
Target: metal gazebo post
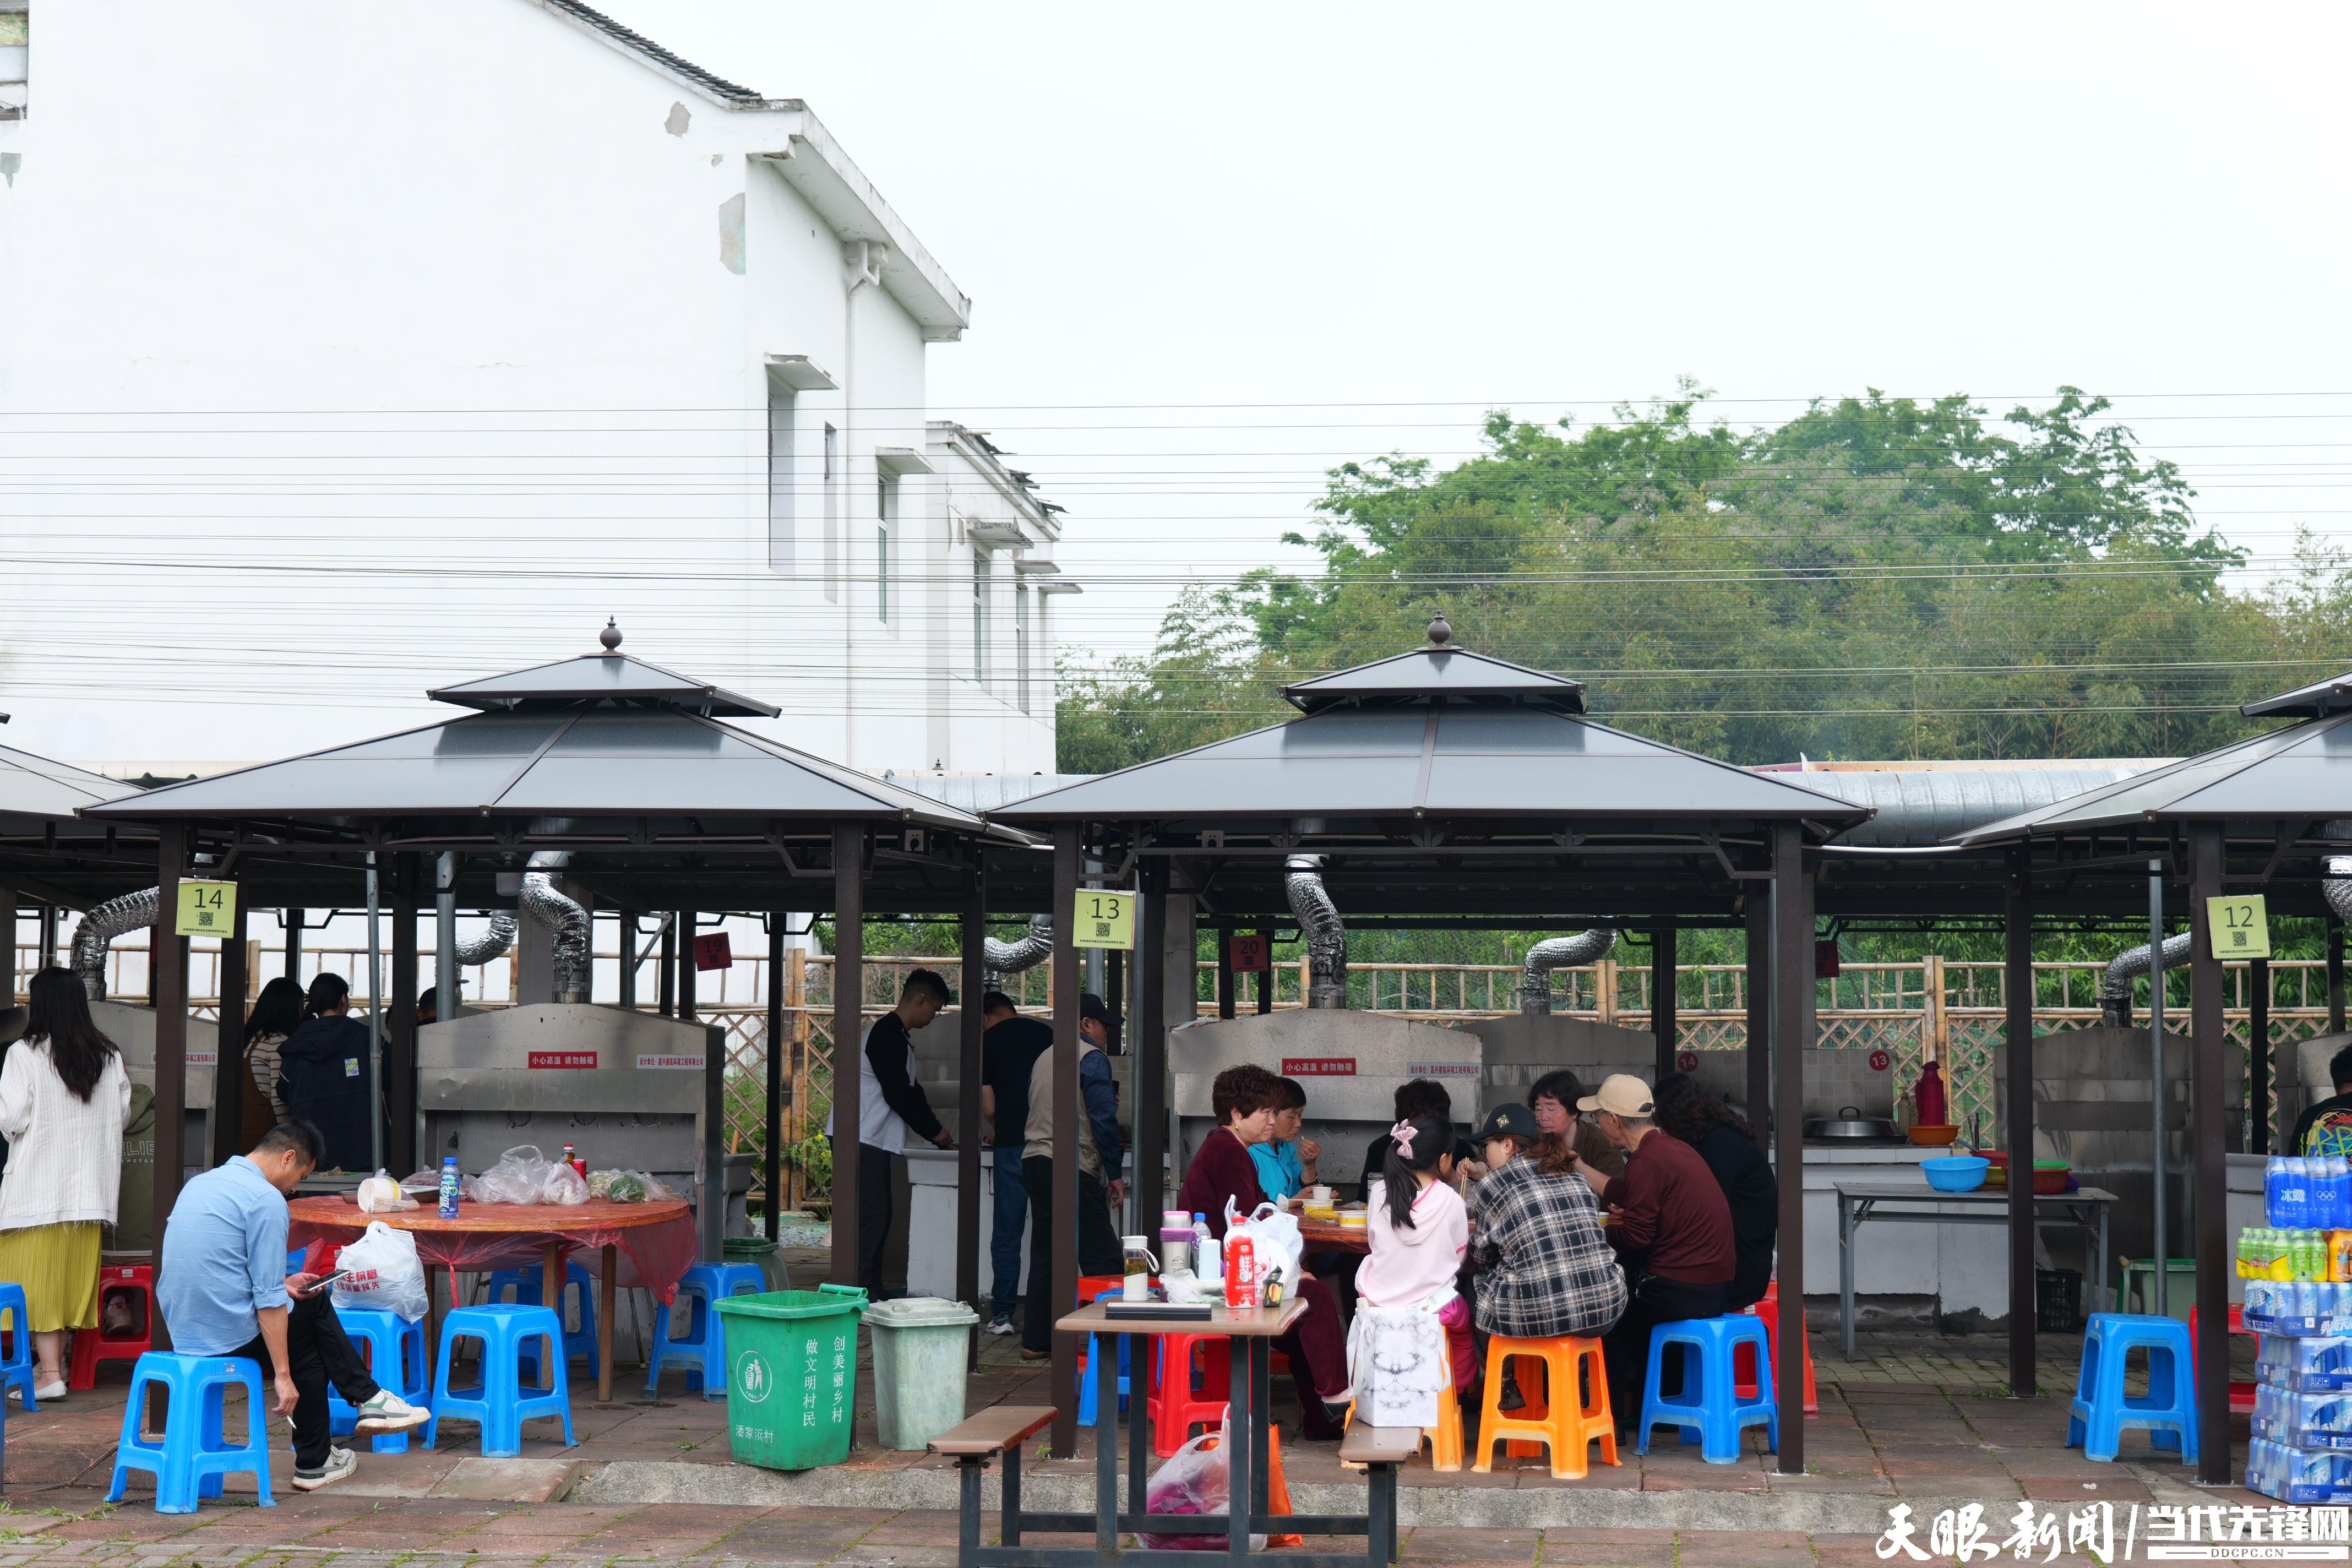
[(848, 987), (2210, 1158), (229, 1135), (772, 1176), (1148, 1044), (1065, 1090), (1662, 997), (1792, 1015), (2017, 993), (1758, 1044), (400, 1097), (971, 992), (171, 991)]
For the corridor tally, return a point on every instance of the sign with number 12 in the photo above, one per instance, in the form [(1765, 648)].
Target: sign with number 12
[(2240, 926), (1106, 919)]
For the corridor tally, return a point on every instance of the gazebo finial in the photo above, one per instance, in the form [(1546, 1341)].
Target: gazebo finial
[(1441, 631), (611, 636)]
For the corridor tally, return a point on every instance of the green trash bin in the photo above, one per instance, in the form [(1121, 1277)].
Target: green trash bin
[(761, 1253), (792, 1375), (922, 1348)]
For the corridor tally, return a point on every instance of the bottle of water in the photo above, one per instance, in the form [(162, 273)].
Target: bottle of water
[(450, 1187)]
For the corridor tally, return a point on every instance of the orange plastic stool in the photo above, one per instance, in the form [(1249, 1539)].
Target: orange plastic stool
[(1743, 1357), (2241, 1394), (92, 1346), (1567, 1424), (1175, 1408)]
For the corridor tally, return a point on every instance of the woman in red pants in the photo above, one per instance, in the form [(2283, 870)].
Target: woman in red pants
[(1243, 1100)]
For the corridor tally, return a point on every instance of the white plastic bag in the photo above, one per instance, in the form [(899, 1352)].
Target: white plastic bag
[(380, 1194), (518, 1177), (383, 1273), (1195, 1479), (564, 1185), (1273, 1238)]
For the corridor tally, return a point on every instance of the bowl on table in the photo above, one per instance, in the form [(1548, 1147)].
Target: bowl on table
[(1935, 1135), (1955, 1172)]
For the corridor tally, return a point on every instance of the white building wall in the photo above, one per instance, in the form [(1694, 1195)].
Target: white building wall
[(467, 306)]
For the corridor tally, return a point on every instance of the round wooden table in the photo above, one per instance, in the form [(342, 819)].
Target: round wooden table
[(658, 1237), (1328, 1235)]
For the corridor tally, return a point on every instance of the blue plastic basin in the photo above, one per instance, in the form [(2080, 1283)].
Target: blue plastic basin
[(1955, 1172)]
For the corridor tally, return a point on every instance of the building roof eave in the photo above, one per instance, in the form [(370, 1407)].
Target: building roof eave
[(812, 163)]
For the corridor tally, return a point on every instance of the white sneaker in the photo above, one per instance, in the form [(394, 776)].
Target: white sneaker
[(387, 1412), (49, 1391), (340, 1463), (1001, 1326)]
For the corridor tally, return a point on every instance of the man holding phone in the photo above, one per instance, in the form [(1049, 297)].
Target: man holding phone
[(224, 1291)]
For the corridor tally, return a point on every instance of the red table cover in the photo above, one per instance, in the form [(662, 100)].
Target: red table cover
[(657, 1240)]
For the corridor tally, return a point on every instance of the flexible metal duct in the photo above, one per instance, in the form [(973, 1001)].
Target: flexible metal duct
[(1011, 957), (490, 943), (98, 928), (1318, 922), (2116, 985), (564, 918), (1922, 807), (1558, 953)]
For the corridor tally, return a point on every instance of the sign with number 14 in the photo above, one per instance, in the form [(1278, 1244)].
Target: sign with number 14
[(206, 909), (2239, 925)]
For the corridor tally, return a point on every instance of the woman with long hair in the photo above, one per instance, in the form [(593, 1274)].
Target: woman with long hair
[(276, 1013), (64, 1098), (324, 1069), (1729, 1146), (1418, 1231)]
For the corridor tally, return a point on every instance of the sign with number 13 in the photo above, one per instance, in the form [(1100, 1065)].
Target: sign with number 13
[(1106, 919)]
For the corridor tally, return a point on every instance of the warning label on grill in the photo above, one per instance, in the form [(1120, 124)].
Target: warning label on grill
[(1441, 1069), (562, 1058), (692, 1064), (1319, 1066), (204, 1058)]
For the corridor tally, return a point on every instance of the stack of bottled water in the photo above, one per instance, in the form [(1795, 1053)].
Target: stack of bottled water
[(2308, 1191), (2300, 1476), (2300, 1307), (2302, 1451)]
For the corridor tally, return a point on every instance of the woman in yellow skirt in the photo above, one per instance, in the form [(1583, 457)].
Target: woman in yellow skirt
[(64, 1098)]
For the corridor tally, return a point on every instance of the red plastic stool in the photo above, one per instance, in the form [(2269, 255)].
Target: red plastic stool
[(1743, 1357), (2241, 1394), (92, 1346), (1175, 1408)]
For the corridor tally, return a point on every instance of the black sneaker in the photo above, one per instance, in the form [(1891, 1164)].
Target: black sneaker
[(342, 1463), (1510, 1398)]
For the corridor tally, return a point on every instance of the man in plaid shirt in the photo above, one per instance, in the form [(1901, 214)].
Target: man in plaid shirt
[(1544, 1266)]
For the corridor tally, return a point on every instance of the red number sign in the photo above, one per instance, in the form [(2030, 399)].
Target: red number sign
[(1251, 954), (711, 952), (1687, 1061), (1880, 1061)]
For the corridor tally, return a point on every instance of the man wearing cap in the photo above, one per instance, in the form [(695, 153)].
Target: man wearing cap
[(1672, 1230), (1101, 1152)]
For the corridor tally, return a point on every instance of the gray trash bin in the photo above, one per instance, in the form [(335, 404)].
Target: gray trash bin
[(921, 1356)]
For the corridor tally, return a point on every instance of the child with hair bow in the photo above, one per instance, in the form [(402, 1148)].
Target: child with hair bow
[(1418, 1231)]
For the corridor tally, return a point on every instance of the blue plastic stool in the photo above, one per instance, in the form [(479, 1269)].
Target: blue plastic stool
[(526, 1285), (498, 1404), (189, 1462), (702, 1348), (1709, 1403), (2100, 1410), (1086, 1395), (17, 1369), (396, 1353)]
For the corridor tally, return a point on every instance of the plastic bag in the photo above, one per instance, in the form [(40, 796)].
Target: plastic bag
[(380, 1194), (624, 1186), (564, 1185), (518, 1177), (383, 1273), (1274, 1237), (1194, 1479)]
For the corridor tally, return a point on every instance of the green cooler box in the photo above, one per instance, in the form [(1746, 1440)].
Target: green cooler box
[(792, 1375)]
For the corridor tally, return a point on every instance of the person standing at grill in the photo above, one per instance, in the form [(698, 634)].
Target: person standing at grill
[(890, 1104), (1009, 1053), (323, 1071), (64, 1099), (277, 1013), (1102, 1153)]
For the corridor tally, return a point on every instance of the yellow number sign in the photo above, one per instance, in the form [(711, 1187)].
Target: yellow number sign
[(1105, 919), (2238, 926), (206, 909)]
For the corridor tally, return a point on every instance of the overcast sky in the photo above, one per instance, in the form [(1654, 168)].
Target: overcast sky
[(1546, 206)]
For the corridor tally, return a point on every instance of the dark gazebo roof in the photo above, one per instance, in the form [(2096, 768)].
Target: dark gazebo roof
[(35, 789), (47, 852), (2317, 700)]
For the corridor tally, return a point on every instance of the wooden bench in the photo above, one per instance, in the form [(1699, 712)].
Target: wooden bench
[(1380, 1449), (999, 1429)]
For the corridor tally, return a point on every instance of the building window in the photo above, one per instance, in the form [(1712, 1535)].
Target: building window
[(832, 513), (982, 582), (886, 506), (1021, 644), (15, 21), (781, 478)]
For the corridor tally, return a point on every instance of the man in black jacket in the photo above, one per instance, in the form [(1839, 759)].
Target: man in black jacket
[(890, 1105), (2326, 1126)]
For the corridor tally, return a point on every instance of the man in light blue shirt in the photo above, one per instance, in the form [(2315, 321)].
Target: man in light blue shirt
[(224, 1291)]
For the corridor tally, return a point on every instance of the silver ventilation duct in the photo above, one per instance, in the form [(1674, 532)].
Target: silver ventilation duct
[(2336, 887), (564, 918), (98, 928), (2116, 985), (1011, 957), (1318, 922), (491, 943), (1558, 953)]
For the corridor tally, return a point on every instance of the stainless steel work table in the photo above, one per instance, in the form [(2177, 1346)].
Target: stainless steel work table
[(1862, 1202)]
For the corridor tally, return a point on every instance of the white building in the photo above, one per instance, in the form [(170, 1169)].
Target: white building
[(354, 349)]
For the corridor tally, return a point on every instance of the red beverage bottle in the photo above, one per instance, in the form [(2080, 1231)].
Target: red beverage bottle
[(1241, 1272)]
